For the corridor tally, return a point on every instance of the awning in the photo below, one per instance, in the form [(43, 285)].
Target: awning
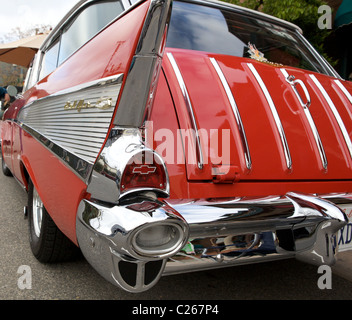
[(21, 52), (344, 14)]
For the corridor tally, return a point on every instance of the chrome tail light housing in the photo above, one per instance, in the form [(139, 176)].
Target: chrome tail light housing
[(129, 244), (127, 167)]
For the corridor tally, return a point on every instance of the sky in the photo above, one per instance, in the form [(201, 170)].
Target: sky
[(28, 13)]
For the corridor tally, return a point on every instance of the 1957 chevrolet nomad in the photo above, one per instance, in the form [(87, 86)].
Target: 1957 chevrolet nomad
[(162, 137)]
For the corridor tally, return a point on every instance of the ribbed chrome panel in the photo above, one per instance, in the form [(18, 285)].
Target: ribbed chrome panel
[(77, 119)]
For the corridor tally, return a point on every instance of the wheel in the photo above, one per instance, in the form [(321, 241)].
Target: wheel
[(5, 170), (47, 242)]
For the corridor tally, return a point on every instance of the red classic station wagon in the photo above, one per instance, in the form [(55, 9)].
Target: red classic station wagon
[(162, 137)]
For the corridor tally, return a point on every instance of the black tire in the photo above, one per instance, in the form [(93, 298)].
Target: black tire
[(47, 242), (5, 170)]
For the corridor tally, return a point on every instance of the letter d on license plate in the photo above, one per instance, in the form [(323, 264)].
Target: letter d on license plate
[(344, 236)]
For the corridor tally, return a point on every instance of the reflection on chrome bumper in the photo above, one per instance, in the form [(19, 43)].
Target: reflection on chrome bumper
[(205, 234)]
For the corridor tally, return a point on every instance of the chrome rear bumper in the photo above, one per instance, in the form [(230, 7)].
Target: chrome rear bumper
[(215, 233)]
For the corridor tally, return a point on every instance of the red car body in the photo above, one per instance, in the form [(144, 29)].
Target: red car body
[(155, 159)]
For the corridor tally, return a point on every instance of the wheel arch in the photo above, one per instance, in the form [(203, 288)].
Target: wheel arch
[(27, 173)]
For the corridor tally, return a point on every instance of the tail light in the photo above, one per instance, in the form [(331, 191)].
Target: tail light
[(145, 170), (158, 239)]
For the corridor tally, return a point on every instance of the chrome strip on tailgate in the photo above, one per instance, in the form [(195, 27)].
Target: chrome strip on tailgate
[(236, 112), (309, 117), (344, 90), (189, 108), (274, 113), (335, 112)]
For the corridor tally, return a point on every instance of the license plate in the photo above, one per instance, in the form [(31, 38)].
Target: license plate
[(344, 236)]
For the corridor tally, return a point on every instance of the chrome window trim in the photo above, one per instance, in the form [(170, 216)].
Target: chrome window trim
[(126, 4), (309, 117), (328, 68), (236, 112), (275, 115), (189, 107), (335, 113)]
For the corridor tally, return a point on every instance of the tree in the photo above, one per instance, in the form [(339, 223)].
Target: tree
[(19, 33)]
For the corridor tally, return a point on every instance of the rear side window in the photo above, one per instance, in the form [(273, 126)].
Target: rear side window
[(87, 25), (221, 31), (76, 32), (49, 62)]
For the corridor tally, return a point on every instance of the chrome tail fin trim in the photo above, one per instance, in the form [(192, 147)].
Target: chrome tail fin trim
[(141, 81)]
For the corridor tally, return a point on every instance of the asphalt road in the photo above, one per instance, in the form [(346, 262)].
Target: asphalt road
[(76, 280)]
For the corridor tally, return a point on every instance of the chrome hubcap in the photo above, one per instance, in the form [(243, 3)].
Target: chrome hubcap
[(37, 213)]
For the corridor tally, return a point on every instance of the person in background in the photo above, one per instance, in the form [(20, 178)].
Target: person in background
[(4, 96), (5, 99)]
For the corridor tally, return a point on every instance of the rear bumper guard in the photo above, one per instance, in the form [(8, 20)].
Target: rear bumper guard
[(206, 234)]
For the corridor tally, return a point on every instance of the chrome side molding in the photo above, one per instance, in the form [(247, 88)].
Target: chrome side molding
[(236, 112), (275, 114)]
